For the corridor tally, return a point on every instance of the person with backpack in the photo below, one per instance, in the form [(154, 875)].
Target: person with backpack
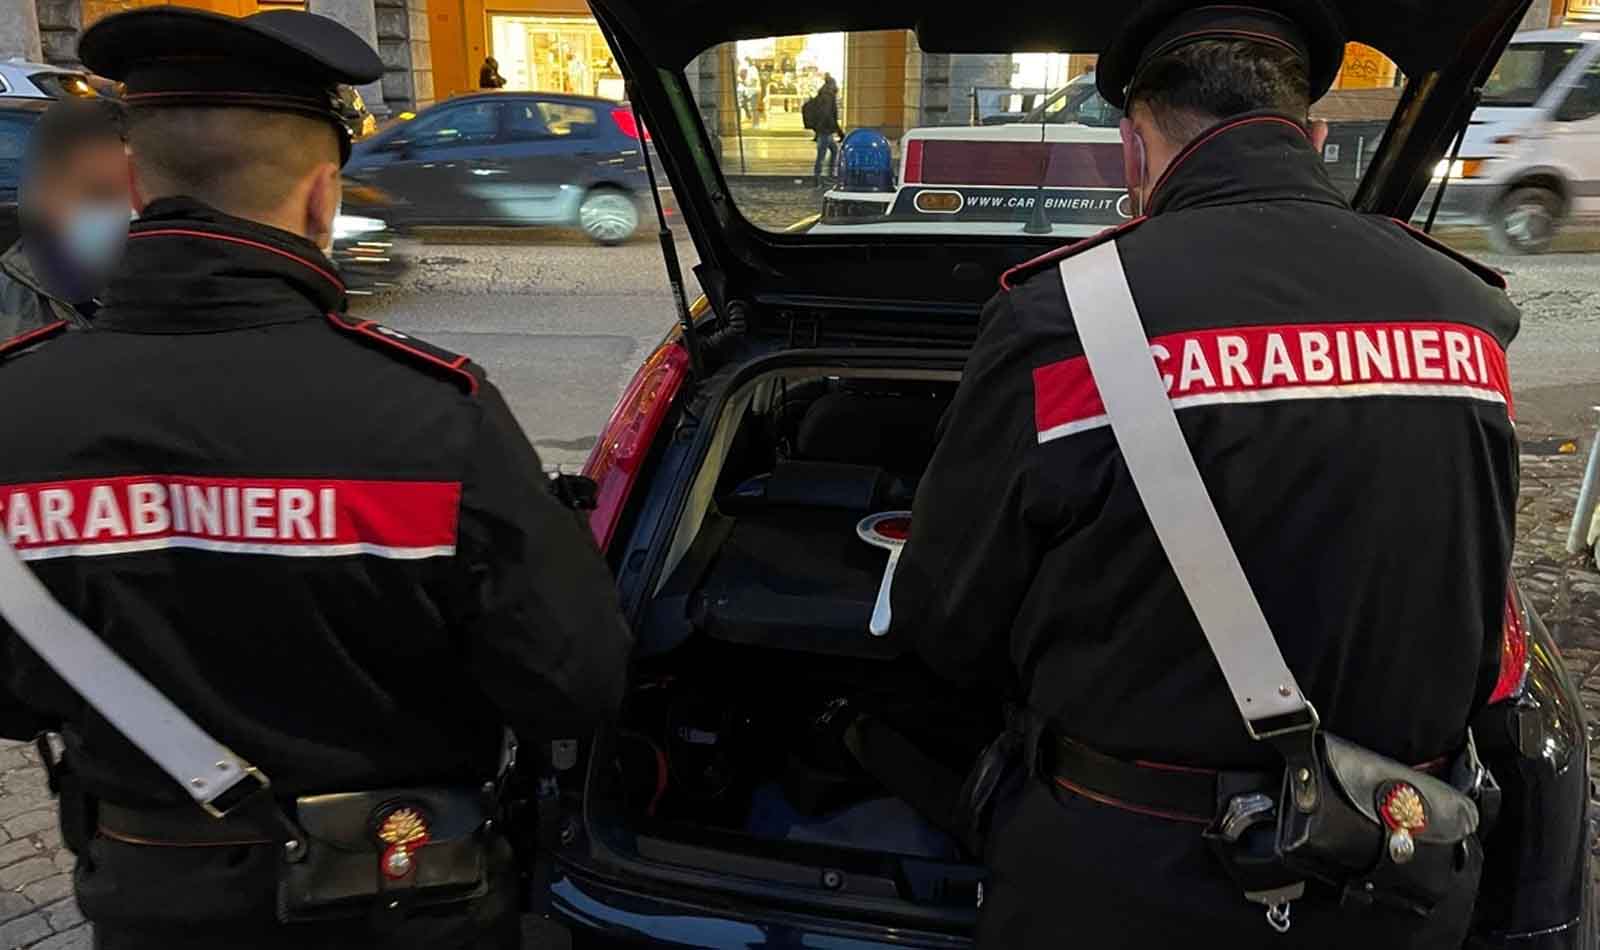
[(820, 114)]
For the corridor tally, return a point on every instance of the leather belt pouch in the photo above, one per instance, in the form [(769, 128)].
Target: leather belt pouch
[(1380, 831), (383, 852)]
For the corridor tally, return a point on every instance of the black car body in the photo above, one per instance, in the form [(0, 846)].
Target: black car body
[(804, 391), (511, 158)]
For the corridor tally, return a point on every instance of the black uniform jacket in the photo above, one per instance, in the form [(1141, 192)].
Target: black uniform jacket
[(330, 544), (1342, 384)]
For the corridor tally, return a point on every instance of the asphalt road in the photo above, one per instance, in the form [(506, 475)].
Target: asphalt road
[(561, 327), (1555, 361)]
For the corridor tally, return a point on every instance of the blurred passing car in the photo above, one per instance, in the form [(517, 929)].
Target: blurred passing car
[(513, 159), (24, 80), (370, 251), (1531, 158)]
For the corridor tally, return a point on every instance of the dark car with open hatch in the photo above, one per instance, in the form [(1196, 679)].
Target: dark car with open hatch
[(802, 393)]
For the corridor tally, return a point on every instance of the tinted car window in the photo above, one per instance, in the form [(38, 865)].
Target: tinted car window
[(525, 121), (565, 118), (1081, 104), (470, 124), (1583, 102)]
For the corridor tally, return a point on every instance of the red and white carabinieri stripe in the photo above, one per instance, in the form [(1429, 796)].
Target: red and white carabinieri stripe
[(1271, 363), (288, 517)]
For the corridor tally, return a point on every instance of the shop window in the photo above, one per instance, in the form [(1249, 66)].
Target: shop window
[(564, 54), (775, 76)]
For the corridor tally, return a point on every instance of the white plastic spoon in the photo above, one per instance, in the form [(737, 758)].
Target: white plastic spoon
[(888, 530)]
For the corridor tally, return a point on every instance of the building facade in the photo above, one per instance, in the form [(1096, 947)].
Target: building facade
[(434, 49), (398, 29)]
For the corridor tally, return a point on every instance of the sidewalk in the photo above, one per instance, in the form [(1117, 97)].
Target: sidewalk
[(1563, 588), (775, 153)]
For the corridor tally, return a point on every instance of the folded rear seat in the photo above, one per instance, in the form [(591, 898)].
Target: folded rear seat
[(791, 572)]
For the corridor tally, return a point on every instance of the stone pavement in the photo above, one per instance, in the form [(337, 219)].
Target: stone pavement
[(36, 906), (1563, 588)]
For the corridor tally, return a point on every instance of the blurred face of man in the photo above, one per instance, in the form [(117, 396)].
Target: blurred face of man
[(90, 177), (75, 210)]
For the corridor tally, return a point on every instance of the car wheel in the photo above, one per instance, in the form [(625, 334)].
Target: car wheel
[(608, 216), (1525, 220)]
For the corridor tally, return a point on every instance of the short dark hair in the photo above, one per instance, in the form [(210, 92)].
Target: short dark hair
[(1198, 85), (241, 161), (70, 124)]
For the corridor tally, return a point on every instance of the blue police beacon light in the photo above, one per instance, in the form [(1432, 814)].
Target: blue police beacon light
[(866, 161)]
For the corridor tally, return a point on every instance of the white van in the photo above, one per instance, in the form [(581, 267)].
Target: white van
[(1531, 158)]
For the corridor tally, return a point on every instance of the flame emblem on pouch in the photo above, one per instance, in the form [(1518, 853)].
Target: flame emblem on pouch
[(1404, 814), (402, 831)]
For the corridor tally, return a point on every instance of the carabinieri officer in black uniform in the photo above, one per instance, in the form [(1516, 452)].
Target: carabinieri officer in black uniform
[(1341, 382), (327, 542)]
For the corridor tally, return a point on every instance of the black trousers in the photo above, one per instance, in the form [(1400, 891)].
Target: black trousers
[(224, 898), (1069, 872)]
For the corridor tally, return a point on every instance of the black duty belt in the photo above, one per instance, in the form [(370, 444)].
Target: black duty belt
[(180, 827), (1175, 792)]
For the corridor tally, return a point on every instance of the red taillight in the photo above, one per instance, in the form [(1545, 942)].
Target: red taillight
[(627, 124), (913, 173), (614, 463), (1513, 650)]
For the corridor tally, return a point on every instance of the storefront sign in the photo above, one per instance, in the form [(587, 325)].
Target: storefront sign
[(1583, 9)]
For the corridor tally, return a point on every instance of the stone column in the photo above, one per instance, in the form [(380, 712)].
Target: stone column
[(19, 30), (60, 25), (407, 57), (362, 18)]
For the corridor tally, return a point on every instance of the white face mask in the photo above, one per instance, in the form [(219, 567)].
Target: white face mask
[(94, 237)]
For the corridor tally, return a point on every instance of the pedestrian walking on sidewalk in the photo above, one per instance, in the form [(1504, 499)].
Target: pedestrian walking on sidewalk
[(825, 123), (489, 75)]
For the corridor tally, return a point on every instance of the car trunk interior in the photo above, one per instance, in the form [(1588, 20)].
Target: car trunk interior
[(732, 754)]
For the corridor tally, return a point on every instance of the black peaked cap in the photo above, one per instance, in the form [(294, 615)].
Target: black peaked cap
[(1312, 29)]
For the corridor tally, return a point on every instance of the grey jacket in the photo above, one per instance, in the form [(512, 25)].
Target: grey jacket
[(24, 305)]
